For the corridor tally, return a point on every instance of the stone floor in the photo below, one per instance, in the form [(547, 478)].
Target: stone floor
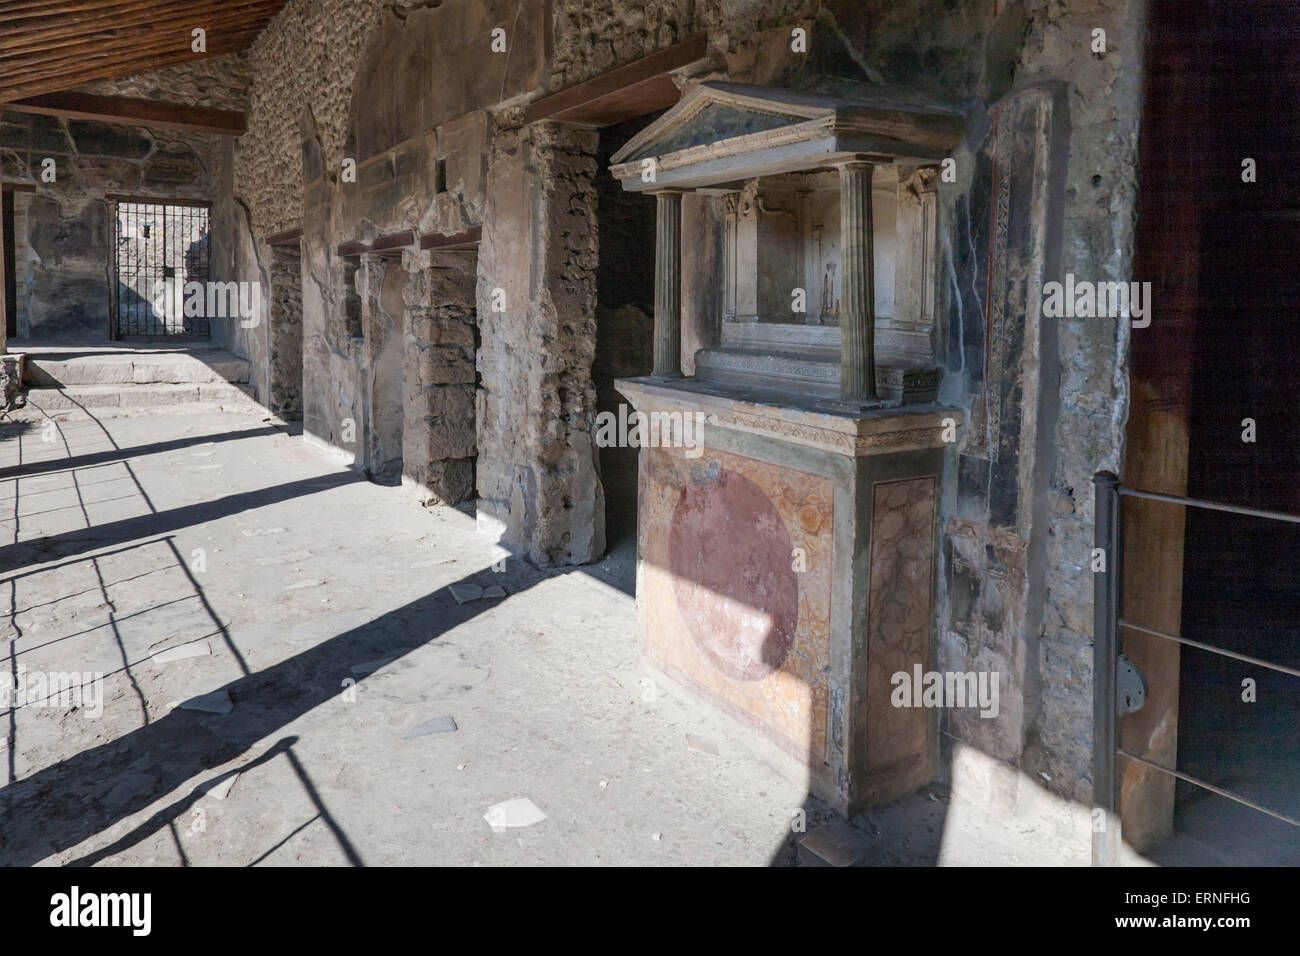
[(220, 554)]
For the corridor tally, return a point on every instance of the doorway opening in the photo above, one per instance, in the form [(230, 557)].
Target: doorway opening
[(1215, 418), (624, 330), (159, 250), (286, 332)]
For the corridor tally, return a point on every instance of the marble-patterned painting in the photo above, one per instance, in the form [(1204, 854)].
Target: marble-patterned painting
[(736, 577), (899, 618)]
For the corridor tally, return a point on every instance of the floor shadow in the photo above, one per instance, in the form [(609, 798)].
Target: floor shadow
[(117, 454), (57, 547), (67, 803)]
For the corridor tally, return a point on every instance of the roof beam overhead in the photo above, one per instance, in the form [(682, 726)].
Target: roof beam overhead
[(643, 86), (133, 112), (49, 46)]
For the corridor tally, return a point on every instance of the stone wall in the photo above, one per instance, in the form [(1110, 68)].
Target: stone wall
[(1104, 100), (375, 376), (345, 56), (538, 481), (220, 82), (306, 59), (63, 247), (593, 36), (64, 233)]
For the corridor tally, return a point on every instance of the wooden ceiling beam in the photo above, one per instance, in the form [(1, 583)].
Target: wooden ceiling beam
[(116, 69), (128, 111), (643, 86), (29, 69), (17, 10), (155, 42), (110, 27), (49, 46)]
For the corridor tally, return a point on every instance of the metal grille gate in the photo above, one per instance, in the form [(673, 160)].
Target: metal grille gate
[(1114, 679), (160, 248)]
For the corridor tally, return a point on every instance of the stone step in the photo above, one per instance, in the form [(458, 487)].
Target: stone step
[(89, 397), (190, 367)]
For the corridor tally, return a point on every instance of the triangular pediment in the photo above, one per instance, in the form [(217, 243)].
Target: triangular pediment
[(712, 112), (720, 133)]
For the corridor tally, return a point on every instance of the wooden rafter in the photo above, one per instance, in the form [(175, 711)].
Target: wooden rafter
[(637, 88), (127, 111), (48, 46)]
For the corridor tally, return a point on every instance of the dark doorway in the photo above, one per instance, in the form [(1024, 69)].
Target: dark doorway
[(1218, 230), (625, 299)]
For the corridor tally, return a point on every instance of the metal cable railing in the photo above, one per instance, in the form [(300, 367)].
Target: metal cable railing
[(1107, 657)]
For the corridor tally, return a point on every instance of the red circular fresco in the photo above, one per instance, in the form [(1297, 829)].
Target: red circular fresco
[(731, 558)]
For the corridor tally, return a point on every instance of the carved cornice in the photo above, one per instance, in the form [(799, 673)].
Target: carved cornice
[(908, 428)]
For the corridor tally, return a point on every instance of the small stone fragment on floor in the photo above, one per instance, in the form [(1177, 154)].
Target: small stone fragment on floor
[(835, 844), (466, 592), (519, 812), (439, 725), (703, 744), (219, 789), (182, 652)]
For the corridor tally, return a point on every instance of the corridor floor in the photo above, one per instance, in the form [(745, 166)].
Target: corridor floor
[(320, 604), (221, 557)]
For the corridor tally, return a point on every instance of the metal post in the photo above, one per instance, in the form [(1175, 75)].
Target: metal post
[(1105, 666)]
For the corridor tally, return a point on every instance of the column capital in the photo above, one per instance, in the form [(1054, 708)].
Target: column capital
[(666, 191), (858, 163)]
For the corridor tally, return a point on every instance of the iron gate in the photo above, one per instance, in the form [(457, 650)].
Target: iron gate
[(160, 248), (1118, 687)]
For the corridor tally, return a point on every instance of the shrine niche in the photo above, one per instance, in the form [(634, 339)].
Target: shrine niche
[(788, 570)]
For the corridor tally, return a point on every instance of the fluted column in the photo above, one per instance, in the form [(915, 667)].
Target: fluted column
[(858, 301), (668, 285)]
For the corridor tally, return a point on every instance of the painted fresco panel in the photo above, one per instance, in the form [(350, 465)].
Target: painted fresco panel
[(726, 613)]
